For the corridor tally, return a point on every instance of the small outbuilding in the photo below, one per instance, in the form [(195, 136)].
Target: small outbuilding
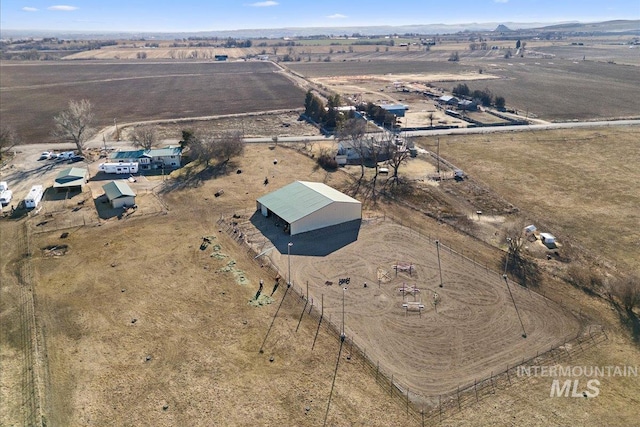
[(119, 194), (397, 110), (548, 240), (70, 179), (467, 105), (448, 100), (305, 206)]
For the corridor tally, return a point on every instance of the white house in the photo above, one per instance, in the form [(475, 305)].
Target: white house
[(156, 158)]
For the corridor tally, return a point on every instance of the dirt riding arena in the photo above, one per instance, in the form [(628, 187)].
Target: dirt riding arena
[(471, 332)]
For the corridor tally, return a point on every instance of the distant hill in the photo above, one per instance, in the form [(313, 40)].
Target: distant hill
[(502, 29), (595, 27), (632, 26)]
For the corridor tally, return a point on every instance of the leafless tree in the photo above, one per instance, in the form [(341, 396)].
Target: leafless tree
[(378, 152), (516, 261), (8, 139), (220, 147), (144, 137), (431, 116), (74, 124), (230, 144), (202, 148), (627, 290), (398, 154), (352, 131)]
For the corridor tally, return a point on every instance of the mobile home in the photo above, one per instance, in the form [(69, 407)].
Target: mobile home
[(119, 168), (33, 198)]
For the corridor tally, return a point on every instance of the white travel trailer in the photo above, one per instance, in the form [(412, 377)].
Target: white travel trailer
[(35, 195), (119, 168)]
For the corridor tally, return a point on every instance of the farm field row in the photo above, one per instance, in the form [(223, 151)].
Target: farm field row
[(554, 90), (135, 92)]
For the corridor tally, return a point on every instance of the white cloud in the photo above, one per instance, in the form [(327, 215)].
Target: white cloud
[(337, 16), (29, 9), (501, 1), (62, 7), (264, 3)]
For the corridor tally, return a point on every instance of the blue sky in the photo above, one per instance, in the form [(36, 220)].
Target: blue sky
[(212, 15)]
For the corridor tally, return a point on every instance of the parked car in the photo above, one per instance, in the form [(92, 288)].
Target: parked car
[(46, 155), (75, 159), (67, 155)]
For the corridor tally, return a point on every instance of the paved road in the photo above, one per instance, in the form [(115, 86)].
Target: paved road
[(474, 130)]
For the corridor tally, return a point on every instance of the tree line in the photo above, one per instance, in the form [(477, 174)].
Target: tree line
[(485, 96), (328, 117)]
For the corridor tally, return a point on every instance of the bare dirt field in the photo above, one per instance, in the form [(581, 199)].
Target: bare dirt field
[(32, 94)]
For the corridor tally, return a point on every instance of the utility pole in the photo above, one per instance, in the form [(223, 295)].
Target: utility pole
[(289, 262), (438, 156), (115, 123), (439, 266)]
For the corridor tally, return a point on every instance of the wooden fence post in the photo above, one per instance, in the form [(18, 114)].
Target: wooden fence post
[(391, 388), (407, 400)]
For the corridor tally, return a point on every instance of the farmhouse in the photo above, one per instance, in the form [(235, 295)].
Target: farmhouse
[(305, 206), (156, 158), (448, 100), (70, 179), (352, 152), (119, 194)]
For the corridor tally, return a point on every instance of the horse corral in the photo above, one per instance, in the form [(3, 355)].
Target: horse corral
[(465, 331)]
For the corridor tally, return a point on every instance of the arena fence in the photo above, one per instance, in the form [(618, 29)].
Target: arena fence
[(425, 410)]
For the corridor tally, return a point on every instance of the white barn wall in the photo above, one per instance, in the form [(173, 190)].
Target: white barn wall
[(122, 201), (334, 213)]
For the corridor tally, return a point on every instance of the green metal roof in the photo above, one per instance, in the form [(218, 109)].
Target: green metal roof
[(134, 154), (154, 152), (70, 177), (117, 189), (301, 198)]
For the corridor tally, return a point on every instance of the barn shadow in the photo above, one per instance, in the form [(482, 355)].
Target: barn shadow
[(320, 242), (104, 209)]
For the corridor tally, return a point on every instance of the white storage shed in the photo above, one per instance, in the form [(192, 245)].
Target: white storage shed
[(119, 194)]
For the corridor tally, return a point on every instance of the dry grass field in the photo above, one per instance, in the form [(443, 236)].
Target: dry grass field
[(579, 184), (33, 94), (139, 326)]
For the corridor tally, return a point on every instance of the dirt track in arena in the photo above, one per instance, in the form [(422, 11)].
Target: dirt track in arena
[(472, 332)]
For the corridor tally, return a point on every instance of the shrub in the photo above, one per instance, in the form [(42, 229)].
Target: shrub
[(327, 161)]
